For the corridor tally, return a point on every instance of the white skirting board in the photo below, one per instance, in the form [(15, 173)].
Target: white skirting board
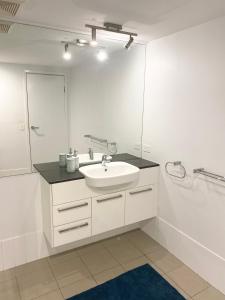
[(33, 246), (200, 259)]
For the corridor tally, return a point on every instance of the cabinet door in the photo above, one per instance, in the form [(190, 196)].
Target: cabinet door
[(107, 212), (140, 204)]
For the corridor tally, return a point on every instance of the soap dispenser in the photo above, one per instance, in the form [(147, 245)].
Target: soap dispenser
[(75, 154)]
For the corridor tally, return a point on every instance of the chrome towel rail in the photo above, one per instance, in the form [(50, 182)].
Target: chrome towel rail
[(176, 163), (202, 171), (92, 137)]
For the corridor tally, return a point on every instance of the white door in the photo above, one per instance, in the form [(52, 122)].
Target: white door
[(47, 116)]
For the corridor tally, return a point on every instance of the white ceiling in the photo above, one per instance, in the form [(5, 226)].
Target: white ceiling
[(150, 18)]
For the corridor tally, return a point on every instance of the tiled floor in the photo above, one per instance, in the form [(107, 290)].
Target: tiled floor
[(63, 275)]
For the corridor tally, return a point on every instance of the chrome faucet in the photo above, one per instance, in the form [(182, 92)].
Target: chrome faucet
[(91, 153), (105, 160)]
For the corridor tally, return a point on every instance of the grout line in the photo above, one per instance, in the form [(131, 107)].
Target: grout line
[(18, 287), (53, 274), (201, 291)]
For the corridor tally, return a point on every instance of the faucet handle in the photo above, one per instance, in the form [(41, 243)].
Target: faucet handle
[(104, 157)]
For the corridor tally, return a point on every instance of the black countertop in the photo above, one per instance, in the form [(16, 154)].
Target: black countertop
[(52, 173)]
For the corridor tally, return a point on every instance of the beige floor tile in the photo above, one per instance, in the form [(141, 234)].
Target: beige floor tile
[(61, 257), (190, 282), (171, 282), (90, 248), (69, 271), (159, 254), (210, 294), (36, 284), (35, 266), (142, 241), (123, 250), (164, 260), (80, 274), (155, 268), (99, 261), (108, 274), (6, 275), (78, 287), (114, 240), (140, 261), (9, 290), (55, 295)]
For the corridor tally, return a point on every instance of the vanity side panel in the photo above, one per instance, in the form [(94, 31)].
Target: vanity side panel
[(46, 199), (148, 176)]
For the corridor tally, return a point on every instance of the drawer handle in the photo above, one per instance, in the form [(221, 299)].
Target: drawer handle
[(73, 228), (140, 191), (72, 207), (109, 198)]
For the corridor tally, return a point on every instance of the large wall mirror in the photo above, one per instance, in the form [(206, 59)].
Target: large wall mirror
[(49, 103)]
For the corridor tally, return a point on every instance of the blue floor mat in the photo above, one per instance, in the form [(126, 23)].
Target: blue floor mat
[(142, 283)]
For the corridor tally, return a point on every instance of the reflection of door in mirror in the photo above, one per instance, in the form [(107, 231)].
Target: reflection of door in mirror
[(47, 116)]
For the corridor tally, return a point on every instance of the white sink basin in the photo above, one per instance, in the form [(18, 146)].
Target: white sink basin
[(115, 173), (85, 158)]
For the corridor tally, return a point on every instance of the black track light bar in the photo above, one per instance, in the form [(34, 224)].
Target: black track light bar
[(111, 27)]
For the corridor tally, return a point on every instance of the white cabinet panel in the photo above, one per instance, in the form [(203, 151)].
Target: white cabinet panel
[(72, 211), (72, 232), (107, 212), (148, 176), (70, 191), (140, 204)]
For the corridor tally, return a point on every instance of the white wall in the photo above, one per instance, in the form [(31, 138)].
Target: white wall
[(106, 99), (184, 120), (21, 238)]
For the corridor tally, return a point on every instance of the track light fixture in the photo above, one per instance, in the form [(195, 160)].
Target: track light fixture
[(66, 54), (93, 41), (110, 27), (127, 46)]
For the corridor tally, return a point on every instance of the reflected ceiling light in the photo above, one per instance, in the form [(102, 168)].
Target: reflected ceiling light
[(93, 41), (127, 46), (67, 55), (110, 27), (102, 55)]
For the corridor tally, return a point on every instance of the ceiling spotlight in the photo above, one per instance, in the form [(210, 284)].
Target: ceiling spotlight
[(102, 55), (81, 42), (67, 55), (127, 46), (93, 41)]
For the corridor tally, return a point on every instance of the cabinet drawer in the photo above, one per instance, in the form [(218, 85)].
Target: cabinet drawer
[(140, 204), (70, 191), (71, 212), (107, 212), (72, 232)]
